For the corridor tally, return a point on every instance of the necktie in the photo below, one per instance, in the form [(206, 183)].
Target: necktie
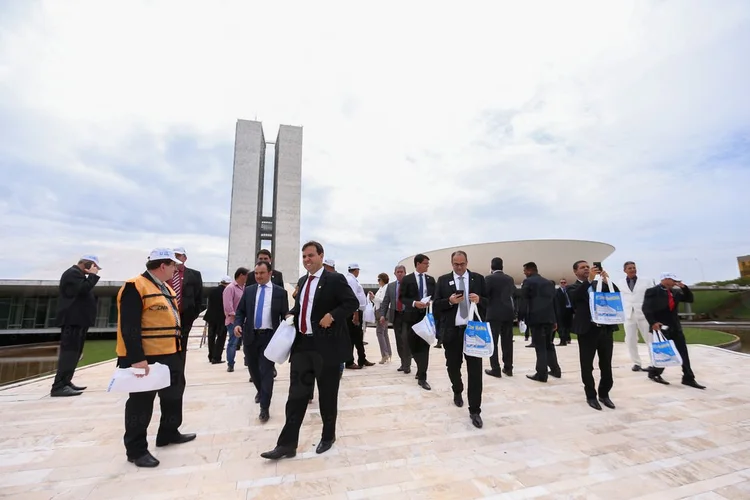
[(421, 286), (567, 299), (177, 286), (463, 307), (631, 284), (671, 299), (259, 308), (166, 293), (305, 300), (399, 304)]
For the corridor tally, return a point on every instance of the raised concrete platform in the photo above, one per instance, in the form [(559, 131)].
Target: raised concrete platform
[(396, 441)]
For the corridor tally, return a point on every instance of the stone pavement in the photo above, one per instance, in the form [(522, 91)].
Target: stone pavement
[(395, 440)]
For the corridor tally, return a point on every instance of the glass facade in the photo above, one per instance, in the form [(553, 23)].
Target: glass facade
[(26, 313)]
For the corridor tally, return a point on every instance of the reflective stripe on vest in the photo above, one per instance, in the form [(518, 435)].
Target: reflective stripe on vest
[(160, 328)]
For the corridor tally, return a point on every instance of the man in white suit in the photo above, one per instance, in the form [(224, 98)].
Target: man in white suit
[(632, 290)]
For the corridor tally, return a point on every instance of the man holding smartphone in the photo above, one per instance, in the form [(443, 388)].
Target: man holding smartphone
[(76, 313)]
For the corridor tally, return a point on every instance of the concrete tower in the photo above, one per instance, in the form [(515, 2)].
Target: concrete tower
[(248, 228)]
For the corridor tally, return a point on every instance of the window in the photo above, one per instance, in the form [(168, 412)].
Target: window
[(5, 306)]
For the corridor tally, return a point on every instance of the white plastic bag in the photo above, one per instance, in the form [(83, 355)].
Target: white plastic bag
[(478, 341), (606, 307), (522, 326), (663, 352), (425, 329), (280, 345), (369, 314), (124, 379)]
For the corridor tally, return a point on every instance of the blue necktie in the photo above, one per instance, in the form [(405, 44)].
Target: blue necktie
[(259, 308), (421, 286)]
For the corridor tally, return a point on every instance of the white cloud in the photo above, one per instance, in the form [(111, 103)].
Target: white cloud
[(425, 125)]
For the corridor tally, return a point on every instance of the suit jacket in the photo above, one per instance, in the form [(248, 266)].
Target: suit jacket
[(443, 309), (500, 288), (388, 307), (409, 292), (632, 302), (215, 310), (579, 296), (192, 293), (276, 278), (656, 306), (562, 297), (333, 295), (76, 303), (538, 304), (245, 315)]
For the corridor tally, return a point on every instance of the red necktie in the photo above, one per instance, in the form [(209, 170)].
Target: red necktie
[(399, 304), (671, 300), (305, 300), (177, 287)]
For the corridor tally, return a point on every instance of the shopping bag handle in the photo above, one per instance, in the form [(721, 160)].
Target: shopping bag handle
[(474, 312), (659, 336)]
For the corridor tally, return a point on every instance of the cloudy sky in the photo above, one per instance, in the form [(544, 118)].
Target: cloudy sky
[(426, 125)]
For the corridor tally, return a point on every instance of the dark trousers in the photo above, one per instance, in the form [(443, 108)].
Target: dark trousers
[(72, 339), (542, 337), (420, 351), (305, 368), (186, 324), (597, 341), (217, 336), (260, 367), (140, 407), (356, 334), (678, 336), (502, 336), (454, 358), (563, 327), (401, 332)]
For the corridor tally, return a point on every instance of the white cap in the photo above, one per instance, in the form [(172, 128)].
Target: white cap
[(329, 262), (669, 276), (353, 266), (162, 254), (92, 258), (180, 250), (226, 279)]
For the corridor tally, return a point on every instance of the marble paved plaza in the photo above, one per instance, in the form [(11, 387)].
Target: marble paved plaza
[(395, 440)]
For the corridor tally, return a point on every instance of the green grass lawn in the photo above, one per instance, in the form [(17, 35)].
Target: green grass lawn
[(692, 335), (95, 351), (707, 302)]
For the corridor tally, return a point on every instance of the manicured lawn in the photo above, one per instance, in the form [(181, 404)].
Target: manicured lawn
[(707, 302), (692, 335), (95, 351)]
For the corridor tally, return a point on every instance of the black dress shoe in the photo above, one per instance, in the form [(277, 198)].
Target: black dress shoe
[(637, 368), (178, 439), (230, 368), (536, 378), (400, 369), (264, 416), (424, 385), (64, 392), (458, 400), (406, 371), (279, 452), (274, 372), (607, 402), (367, 363), (508, 372), (493, 373), (146, 460), (530, 345), (76, 387), (476, 420), (353, 367), (217, 362), (324, 446), (693, 383), (658, 379), (594, 404), (250, 380), (556, 374), (257, 398)]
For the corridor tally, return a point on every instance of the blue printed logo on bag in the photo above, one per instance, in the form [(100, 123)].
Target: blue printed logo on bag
[(478, 340)]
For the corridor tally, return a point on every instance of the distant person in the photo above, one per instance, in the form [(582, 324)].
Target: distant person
[(188, 285), (661, 308), (232, 296), (354, 322), (76, 313), (392, 310), (381, 328), (565, 310), (214, 318), (148, 331), (633, 290), (499, 288), (416, 287), (264, 255)]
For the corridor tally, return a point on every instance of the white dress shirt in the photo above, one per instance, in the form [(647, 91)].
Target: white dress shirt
[(358, 290), (310, 300), (459, 320), (424, 292), (379, 297), (265, 323)]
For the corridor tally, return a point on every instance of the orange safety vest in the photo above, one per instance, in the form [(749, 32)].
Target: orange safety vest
[(160, 329)]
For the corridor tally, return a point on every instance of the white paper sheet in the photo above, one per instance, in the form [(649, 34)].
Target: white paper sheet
[(124, 379)]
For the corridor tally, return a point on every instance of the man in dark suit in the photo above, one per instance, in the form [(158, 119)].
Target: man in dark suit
[(565, 312), (453, 294), (260, 312), (392, 311), (188, 285), (661, 305), (499, 288), (415, 287), (76, 313), (322, 343), (537, 310), (214, 318), (593, 339), (276, 277)]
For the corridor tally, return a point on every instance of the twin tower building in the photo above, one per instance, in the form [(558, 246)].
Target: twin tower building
[(278, 229)]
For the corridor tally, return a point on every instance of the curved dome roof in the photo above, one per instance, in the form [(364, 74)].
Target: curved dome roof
[(553, 257)]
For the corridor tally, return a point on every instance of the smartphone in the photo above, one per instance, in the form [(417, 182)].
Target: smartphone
[(460, 293), (598, 265), (88, 266)]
